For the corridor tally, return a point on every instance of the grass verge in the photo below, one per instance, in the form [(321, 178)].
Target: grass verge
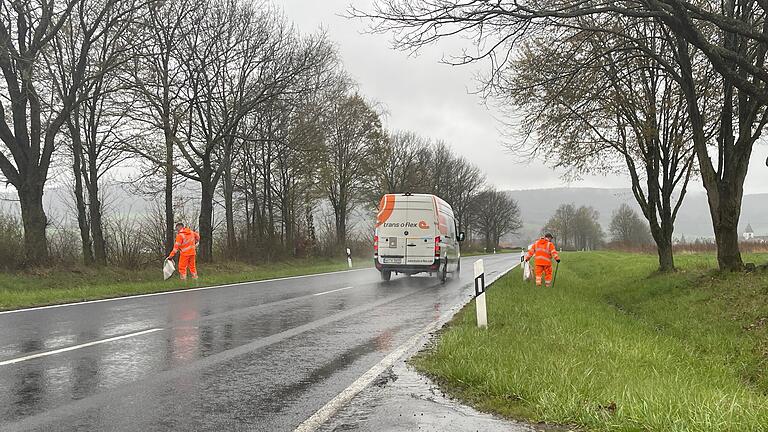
[(616, 347), (54, 286)]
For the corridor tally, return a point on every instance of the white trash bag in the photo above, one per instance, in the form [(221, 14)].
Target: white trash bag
[(527, 270), (168, 269)]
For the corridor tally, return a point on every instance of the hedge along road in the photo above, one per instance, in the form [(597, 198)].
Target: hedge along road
[(252, 356)]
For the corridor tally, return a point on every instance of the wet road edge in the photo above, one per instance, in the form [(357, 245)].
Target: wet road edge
[(408, 348)]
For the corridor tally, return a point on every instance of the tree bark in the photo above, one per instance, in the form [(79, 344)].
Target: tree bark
[(725, 218), (206, 222), (229, 211), (169, 222), (662, 235), (97, 227), (341, 229), (34, 221), (82, 215)]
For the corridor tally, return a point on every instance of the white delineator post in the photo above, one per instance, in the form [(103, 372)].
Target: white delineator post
[(480, 308), (349, 258)]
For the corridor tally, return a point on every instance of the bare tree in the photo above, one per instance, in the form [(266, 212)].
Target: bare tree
[(495, 214), (27, 30), (597, 103), (587, 232), (353, 139), (94, 126), (628, 229), (561, 225), (455, 180), (155, 81), (403, 164)]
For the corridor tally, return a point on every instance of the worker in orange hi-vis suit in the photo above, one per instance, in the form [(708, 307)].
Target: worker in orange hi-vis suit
[(186, 245), (543, 251)]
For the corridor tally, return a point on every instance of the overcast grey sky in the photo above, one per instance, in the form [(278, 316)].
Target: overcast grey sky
[(433, 99)]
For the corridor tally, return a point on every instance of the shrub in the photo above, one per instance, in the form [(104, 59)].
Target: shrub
[(11, 241)]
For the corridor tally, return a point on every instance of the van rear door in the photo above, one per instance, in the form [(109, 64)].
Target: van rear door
[(421, 231), (392, 243)]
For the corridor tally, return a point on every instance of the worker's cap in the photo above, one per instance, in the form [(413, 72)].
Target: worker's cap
[(549, 236)]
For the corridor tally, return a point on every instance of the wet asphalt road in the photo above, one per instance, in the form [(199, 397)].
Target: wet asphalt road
[(253, 356)]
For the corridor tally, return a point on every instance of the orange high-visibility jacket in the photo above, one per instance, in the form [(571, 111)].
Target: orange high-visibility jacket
[(186, 242), (543, 250)]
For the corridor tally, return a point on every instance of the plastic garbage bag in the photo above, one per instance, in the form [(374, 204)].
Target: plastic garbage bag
[(168, 269), (527, 271)]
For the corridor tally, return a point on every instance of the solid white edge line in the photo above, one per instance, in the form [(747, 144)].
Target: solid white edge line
[(332, 291), (181, 290), (328, 410), (334, 405), (75, 347)]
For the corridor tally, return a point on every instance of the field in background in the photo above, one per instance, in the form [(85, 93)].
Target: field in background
[(617, 347), (59, 285), (478, 252)]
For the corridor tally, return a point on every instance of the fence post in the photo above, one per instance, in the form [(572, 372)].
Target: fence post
[(480, 307), (349, 258)]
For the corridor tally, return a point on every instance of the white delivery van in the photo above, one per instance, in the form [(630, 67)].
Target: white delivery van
[(416, 233)]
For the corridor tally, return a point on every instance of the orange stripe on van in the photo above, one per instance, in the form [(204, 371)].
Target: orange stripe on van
[(386, 207), (441, 225)]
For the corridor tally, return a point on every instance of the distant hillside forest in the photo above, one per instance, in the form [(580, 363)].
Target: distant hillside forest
[(693, 220)]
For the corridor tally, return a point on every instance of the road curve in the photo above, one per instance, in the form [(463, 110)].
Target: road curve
[(253, 356)]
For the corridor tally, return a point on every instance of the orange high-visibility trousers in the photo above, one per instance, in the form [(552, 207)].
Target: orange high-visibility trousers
[(546, 270), (187, 261)]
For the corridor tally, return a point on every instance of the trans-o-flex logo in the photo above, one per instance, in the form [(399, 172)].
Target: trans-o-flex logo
[(422, 225)]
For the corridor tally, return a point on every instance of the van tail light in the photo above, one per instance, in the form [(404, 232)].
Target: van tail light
[(375, 245), (437, 246)]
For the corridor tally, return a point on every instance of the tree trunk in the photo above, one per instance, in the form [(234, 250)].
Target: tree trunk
[(229, 213), (97, 228), (341, 229), (169, 222), (206, 221), (662, 235), (82, 216), (724, 192), (35, 222), (725, 218)]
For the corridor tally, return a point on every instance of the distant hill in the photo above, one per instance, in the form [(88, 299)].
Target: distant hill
[(538, 205)]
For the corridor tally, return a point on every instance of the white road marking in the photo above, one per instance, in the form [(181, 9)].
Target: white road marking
[(61, 350), (326, 412), (178, 291), (334, 405), (75, 347), (332, 291)]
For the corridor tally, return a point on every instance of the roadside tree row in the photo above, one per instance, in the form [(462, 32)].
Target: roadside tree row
[(223, 98)]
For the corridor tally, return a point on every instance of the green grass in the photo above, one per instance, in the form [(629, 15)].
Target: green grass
[(53, 286), (616, 347)]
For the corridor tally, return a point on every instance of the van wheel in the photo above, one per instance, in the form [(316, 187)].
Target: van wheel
[(458, 268), (386, 275), (443, 274)]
